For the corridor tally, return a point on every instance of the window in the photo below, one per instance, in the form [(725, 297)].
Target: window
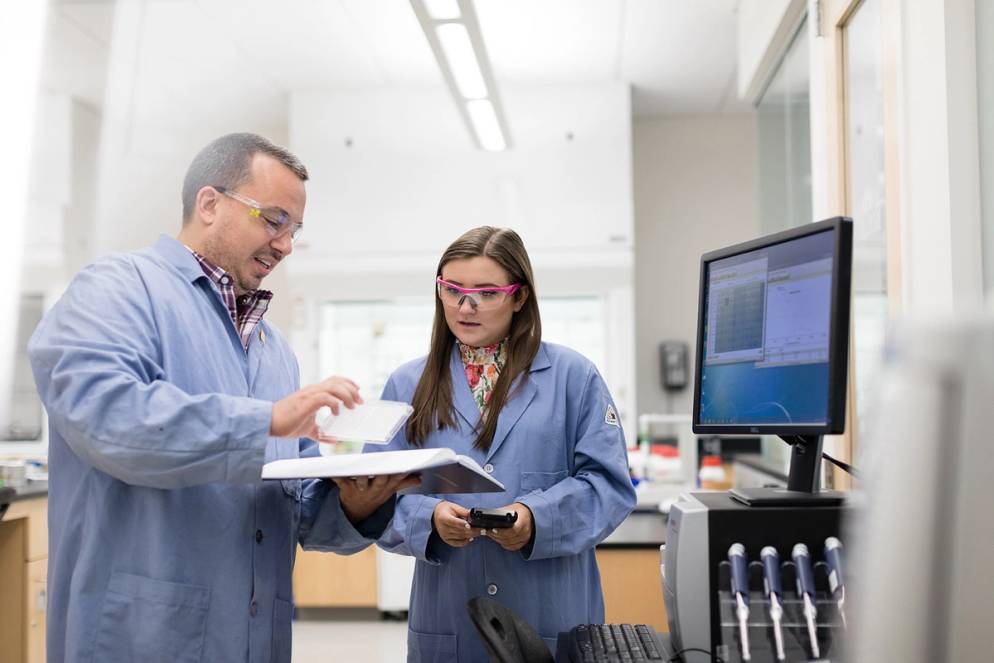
[(24, 420), (784, 141), (866, 195)]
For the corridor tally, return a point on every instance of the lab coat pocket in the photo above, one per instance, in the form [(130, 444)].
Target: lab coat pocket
[(282, 631), (430, 647), (532, 481), (151, 620)]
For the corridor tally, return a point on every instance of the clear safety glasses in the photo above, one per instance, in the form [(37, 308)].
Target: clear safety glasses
[(481, 299), (277, 221)]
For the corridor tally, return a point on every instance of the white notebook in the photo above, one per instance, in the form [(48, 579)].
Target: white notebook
[(441, 470), (373, 421)]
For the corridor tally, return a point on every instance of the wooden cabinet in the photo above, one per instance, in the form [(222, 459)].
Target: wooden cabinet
[(23, 577), (327, 580), (36, 600), (631, 582)]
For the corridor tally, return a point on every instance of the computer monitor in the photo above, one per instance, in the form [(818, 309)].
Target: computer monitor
[(773, 347)]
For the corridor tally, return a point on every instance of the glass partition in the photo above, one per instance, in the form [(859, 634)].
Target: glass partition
[(866, 195)]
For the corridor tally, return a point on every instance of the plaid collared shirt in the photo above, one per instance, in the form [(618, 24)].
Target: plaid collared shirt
[(246, 311)]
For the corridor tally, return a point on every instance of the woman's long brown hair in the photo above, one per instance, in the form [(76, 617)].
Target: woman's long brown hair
[(432, 401)]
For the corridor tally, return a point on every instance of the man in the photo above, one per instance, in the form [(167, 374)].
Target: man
[(166, 392)]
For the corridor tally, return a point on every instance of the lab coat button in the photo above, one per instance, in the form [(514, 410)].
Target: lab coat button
[(491, 589), (488, 468), (253, 608), (258, 536)]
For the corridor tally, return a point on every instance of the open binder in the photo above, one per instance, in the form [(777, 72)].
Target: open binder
[(441, 470)]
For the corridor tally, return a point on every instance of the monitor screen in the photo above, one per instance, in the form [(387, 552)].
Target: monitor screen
[(772, 333)]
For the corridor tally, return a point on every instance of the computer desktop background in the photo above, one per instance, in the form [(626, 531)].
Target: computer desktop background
[(744, 394)]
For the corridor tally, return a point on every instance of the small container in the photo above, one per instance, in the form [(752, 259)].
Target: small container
[(712, 475), (664, 464)]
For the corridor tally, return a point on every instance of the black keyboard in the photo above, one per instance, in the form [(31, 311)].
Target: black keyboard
[(613, 643)]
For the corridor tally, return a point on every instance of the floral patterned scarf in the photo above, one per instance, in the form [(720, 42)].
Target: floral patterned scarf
[(483, 366)]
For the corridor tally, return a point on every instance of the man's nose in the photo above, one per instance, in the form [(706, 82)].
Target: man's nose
[(283, 243)]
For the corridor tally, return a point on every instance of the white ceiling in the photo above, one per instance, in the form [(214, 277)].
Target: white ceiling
[(679, 56)]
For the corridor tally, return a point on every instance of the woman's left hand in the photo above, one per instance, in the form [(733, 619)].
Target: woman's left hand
[(515, 537)]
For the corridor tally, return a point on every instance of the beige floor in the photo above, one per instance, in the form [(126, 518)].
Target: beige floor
[(367, 641)]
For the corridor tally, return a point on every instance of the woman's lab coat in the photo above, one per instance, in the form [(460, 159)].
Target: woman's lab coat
[(560, 450), (165, 545)]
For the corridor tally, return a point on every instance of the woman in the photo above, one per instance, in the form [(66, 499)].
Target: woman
[(539, 418)]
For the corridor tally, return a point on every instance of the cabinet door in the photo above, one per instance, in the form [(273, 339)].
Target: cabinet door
[(34, 610), (13, 533), (327, 580), (632, 586)]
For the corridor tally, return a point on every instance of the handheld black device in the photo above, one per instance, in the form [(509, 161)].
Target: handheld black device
[(492, 518)]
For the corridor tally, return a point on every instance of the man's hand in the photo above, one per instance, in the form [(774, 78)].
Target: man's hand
[(361, 496), (450, 521), (515, 537), (294, 415)]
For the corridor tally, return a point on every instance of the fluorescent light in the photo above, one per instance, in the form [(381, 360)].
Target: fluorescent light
[(484, 119), (461, 57), (442, 10), (453, 32)]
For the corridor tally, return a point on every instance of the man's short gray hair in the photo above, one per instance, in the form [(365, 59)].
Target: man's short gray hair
[(227, 162)]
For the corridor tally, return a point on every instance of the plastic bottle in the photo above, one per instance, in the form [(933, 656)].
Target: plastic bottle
[(712, 475), (664, 464)]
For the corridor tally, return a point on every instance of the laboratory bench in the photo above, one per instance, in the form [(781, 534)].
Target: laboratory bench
[(23, 573), (628, 559)]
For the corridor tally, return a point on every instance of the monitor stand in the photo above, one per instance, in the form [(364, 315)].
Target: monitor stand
[(802, 481)]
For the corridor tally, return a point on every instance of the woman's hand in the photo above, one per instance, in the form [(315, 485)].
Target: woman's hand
[(450, 521), (515, 537)]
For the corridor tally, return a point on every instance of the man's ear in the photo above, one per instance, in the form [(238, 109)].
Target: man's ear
[(521, 296), (206, 204)]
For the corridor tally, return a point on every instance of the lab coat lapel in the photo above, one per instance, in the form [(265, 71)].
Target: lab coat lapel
[(521, 397), (462, 396)]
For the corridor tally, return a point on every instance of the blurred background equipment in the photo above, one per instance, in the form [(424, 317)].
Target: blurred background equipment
[(924, 534)]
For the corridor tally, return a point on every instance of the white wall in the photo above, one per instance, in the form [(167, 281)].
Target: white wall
[(695, 190), (940, 172)]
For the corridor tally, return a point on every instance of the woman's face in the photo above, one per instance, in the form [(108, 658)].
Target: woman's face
[(471, 325)]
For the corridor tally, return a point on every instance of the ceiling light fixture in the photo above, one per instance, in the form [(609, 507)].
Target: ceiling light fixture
[(482, 114), (442, 10), (453, 33), (458, 51)]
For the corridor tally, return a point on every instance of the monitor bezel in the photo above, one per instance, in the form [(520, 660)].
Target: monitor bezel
[(838, 353)]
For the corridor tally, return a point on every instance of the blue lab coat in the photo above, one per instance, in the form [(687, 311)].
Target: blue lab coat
[(164, 544), (557, 450)]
